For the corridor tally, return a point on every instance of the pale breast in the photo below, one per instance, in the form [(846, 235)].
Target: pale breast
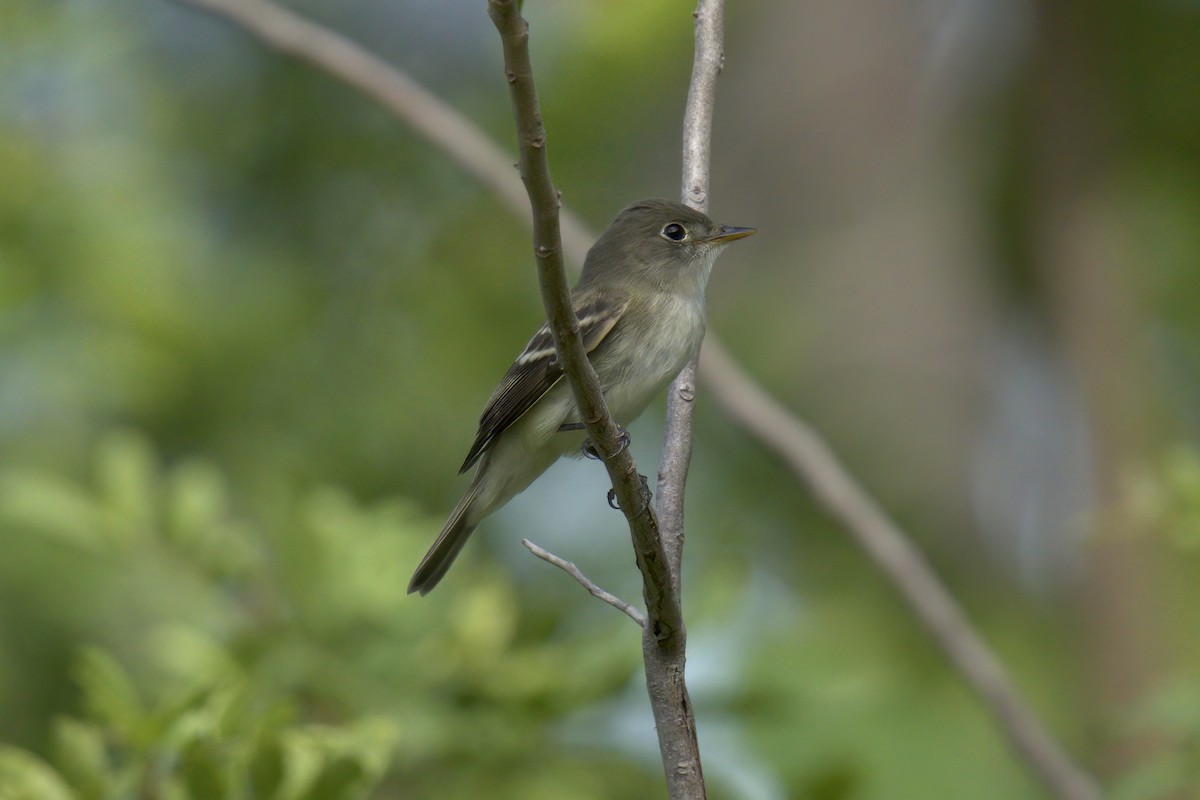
[(649, 360)]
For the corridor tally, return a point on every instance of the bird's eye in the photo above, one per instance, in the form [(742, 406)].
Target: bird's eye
[(675, 232)]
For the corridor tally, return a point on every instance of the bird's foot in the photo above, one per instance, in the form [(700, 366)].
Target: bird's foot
[(645, 486), (623, 440)]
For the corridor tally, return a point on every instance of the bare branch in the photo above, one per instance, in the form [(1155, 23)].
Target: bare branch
[(697, 135), (628, 609), (663, 636), (701, 100), (741, 398), (662, 605), (665, 660)]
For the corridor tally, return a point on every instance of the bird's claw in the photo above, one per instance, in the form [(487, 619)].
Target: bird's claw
[(623, 440), (645, 486)]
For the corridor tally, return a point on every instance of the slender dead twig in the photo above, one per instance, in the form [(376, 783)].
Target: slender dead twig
[(628, 609), (809, 457)]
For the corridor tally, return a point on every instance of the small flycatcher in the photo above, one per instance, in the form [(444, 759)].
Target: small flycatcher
[(640, 304)]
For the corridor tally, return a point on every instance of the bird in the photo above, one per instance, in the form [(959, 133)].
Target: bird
[(640, 302)]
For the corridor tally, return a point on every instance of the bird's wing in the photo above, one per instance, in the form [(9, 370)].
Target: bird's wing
[(536, 371)]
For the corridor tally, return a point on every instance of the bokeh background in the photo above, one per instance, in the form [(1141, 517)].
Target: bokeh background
[(248, 320)]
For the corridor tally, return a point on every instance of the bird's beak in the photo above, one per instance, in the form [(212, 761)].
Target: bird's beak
[(726, 233)]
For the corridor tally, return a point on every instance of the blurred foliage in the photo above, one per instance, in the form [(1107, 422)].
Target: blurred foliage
[(247, 320), (243, 631), (212, 735)]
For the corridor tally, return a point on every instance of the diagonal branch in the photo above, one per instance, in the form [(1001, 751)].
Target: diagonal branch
[(628, 609), (889, 548), (808, 455)]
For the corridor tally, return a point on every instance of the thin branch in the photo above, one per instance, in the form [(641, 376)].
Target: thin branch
[(628, 609), (662, 606), (737, 393), (681, 409), (663, 636), (890, 549), (702, 97), (665, 660)]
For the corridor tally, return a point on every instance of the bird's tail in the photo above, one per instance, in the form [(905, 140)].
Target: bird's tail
[(449, 542)]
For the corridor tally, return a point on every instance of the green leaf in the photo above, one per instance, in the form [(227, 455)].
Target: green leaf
[(109, 695), (26, 777), (128, 477), (200, 521), (198, 501), (371, 741), (51, 507), (80, 751), (301, 760), (189, 657), (317, 758)]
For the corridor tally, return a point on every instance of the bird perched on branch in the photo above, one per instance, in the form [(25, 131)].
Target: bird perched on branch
[(640, 305)]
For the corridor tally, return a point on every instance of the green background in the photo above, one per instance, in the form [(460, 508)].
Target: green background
[(248, 321)]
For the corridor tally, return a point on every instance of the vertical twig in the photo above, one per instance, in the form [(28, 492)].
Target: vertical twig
[(669, 657), (662, 607), (697, 136), (663, 636)]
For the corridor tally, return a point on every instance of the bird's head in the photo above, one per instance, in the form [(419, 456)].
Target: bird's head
[(659, 242)]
